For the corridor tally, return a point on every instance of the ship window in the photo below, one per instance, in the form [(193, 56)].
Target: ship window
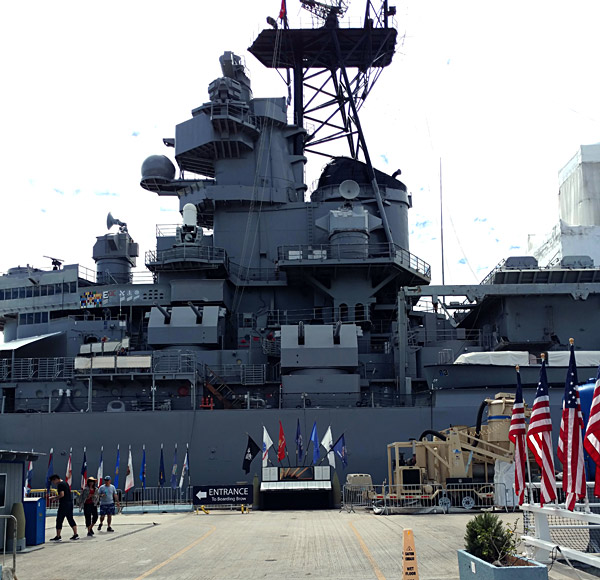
[(58, 288), (29, 318), (50, 288), (36, 290), (44, 317), (44, 290), (66, 287), (22, 292), (1, 294), (37, 318), (21, 319), (29, 291), (344, 312)]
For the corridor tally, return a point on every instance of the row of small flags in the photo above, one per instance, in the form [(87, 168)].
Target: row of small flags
[(538, 438), (338, 448), (129, 478)]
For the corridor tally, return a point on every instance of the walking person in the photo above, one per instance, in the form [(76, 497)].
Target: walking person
[(65, 508), (88, 501), (108, 498)]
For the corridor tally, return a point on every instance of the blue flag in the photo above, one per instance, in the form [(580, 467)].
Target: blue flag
[(339, 448), (50, 469), (143, 469), (161, 471), (116, 484), (299, 448), (315, 441), (174, 470)]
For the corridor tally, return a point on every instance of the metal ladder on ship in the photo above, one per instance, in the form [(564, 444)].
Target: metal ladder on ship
[(221, 390)]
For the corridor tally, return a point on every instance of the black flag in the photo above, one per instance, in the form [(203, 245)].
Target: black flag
[(252, 450)]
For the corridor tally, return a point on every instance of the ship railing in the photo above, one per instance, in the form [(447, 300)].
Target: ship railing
[(375, 398), (166, 230), (174, 362), (42, 369), (187, 252), (240, 374), (428, 498), (320, 253), (325, 315), (246, 274), (378, 370), (576, 533)]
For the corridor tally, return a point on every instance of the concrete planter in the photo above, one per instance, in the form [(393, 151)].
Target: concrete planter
[(471, 568)]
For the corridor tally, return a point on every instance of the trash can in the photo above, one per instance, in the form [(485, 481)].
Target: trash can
[(35, 520)]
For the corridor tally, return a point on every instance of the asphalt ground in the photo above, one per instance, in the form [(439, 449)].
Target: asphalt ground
[(267, 545)]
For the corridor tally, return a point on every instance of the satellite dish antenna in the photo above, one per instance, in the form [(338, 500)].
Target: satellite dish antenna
[(111, 221), (349, 189)]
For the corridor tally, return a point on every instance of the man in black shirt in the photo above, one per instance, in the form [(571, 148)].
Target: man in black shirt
[(65, 508)]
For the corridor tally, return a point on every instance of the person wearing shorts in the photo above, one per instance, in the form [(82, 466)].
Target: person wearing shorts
[(108, 498), (65, 507)]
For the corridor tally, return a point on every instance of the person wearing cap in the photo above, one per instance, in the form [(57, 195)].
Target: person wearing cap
[(108, 498), (88, 501)]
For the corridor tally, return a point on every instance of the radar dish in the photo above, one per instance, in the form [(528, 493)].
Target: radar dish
[(349, 189)]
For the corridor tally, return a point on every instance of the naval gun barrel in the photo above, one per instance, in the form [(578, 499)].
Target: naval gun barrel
[(197, 312), (165, 313), (336, 332)]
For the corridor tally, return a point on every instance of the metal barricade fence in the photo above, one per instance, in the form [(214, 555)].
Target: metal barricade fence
[(156, 496), (387, 499), (7, 519)]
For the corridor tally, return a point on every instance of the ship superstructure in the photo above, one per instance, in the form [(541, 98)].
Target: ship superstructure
[(270, 296)]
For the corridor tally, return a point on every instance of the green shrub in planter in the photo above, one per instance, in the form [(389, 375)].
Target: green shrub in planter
[(487, 538)]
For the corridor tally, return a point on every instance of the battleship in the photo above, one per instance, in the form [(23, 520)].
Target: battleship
[(274, 301)]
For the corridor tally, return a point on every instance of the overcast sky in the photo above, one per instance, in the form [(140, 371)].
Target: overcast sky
[(502, 92)]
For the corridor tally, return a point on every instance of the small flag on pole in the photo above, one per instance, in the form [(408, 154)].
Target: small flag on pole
[(252, 450), (299, 446), (101, 466), (69, 475), (539, 437), (29, 478), (281, 444), (143, 468), (50, 468), (116, 484), (185, 467), (517, 433), (327, 442), (267, 443), (174, 470), (161, 470), (570, 444), (129, 478), (84, 474), (339, 447), (314, 437)]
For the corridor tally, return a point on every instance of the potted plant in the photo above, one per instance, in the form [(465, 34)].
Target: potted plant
[(491, 552)]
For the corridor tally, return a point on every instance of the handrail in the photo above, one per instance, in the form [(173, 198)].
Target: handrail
[(14, 543)]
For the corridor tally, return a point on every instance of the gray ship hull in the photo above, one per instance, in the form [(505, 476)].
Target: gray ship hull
[(217, 439)]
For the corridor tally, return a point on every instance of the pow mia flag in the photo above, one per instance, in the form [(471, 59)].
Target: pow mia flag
[(252, 450)]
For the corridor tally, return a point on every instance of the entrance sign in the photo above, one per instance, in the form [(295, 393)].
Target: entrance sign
[(223, 494)]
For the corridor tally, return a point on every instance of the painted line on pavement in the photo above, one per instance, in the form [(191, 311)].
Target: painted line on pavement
[(175, 556), (368, 554)]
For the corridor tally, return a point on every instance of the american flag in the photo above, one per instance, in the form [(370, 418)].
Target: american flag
[(539, 437), (570, 448), (516, 434), (592, 433)]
